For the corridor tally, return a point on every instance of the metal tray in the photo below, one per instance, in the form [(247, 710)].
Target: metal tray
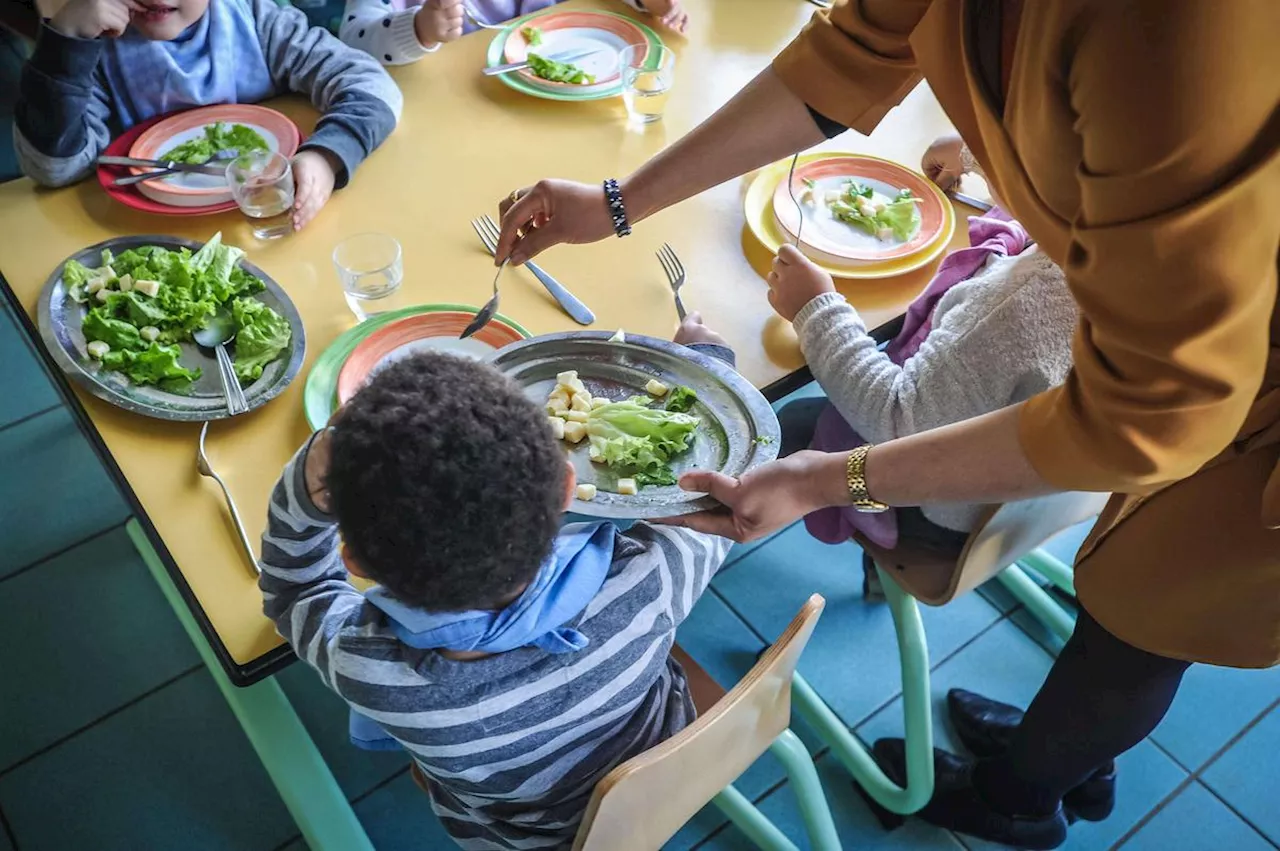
[(59, 319), (739, 429)]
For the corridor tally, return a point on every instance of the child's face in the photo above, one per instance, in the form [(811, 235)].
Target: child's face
[(164, 20)]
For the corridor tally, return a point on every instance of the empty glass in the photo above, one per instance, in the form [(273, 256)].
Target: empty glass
[(647, 74), (262, 184), (371, 269)]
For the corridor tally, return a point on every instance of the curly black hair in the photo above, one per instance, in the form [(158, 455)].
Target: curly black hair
[(447, 483)]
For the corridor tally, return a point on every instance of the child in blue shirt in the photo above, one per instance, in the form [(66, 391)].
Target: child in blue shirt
[(101, 66)]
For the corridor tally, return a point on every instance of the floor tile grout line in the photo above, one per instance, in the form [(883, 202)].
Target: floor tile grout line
[(7, 770), (379, 785), (45, 559), (1222, 800), (287, 842), (1235, 739), (1148, 816), (29, 417), (8, 830)]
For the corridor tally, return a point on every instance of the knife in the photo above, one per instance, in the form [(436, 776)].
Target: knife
[(214, 167), (969, 200), (520, 66)]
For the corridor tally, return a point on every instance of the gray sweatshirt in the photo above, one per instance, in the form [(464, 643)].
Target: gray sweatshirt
[(997, 339)]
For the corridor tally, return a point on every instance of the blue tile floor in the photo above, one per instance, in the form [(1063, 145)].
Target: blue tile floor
[(112, 735)]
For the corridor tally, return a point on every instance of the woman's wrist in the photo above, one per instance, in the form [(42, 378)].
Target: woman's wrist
[(820, 479)]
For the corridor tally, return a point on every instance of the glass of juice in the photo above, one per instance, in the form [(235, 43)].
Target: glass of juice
[(647, 74), (262, 184), (371, 268)]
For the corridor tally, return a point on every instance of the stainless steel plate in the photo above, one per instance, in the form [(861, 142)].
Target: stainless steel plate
[(739, 430), (59, 318)]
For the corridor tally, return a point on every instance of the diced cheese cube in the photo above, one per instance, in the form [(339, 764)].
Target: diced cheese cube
[(586, 492), (656, 388), (102, 295), (95, 285), (557, 427), (108, 273), (147, 287), (576, 386), (877, 206), (574, 432), (566, 378), (884, 233), (557, 407), (599, 402), (619, 336), (577, 416), (125, 282), (150, 333), (627, 487), (97, 349), (580, 402), (595, 456)]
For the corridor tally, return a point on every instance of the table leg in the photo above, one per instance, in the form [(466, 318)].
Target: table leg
[(300, 775)]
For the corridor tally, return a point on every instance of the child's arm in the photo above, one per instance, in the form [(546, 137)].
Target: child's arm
[(361, 104), (969, 364), (400, 37), (60, 120)]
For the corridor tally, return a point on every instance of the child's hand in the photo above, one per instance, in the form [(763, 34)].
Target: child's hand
[(438, 21), (92, 18), (692, 330), (670, 12), (315, 469), (795, 281), (313, 177), (942, 163)]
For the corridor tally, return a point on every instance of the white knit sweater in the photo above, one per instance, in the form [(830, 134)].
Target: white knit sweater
[(998, 338)]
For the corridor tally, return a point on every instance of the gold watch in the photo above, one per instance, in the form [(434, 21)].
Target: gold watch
[(856, 472)]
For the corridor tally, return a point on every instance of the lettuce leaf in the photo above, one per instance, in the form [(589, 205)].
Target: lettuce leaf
[(639, 441), (119, 335), (680, 399), (261, 336), (558, 72), (155, 364)]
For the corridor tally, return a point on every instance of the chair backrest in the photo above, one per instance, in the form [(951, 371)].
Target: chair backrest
[(1005, 534), (643, 802)]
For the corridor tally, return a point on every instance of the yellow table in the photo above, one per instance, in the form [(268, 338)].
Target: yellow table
[(464, 142)]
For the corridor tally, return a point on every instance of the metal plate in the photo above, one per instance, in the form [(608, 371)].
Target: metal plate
[(739, 429), (60, 317)]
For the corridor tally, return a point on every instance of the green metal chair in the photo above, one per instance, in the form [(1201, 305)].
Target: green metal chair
[(643, 802), (1005, 545)]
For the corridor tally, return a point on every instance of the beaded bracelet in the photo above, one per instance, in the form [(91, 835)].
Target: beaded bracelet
[(617, 210)]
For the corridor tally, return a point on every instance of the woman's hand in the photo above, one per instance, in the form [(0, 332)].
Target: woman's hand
[(942, 162), (767, 498), (670, 12), (313, 176), (795, 281), (552, 212)]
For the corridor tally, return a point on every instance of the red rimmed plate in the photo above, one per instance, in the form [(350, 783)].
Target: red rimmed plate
[(427, 331), (839, 242), (202, 190), (129, 195), (569, 32)]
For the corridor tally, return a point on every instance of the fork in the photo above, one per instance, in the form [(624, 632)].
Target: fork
[(675, 275), (475, 19), (485, 316), (487, 229), (206, 469), (791, 190)]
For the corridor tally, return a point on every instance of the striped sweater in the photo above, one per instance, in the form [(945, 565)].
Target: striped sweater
[(512, 744)]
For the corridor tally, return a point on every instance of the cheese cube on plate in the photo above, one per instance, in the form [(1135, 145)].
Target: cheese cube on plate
[(580, 402), (557, 427), (586, 492), (574, 432), (97, 349), (656, 388), (577, 416), (627, 487)]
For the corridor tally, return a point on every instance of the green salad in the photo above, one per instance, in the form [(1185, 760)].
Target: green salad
[(234, 140), (559, 72), (141, 303), (859, 205), (532, 35)]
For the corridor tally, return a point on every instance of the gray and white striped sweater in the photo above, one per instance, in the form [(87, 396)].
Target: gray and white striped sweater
[(512, 744)]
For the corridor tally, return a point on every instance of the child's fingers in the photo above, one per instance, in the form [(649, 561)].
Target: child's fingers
[(789, 254)]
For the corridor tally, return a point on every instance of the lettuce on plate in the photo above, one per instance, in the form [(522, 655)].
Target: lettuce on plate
[(261, 335), (218, 138), (857, 204), (558, 72), (638, 441), (156, 364)]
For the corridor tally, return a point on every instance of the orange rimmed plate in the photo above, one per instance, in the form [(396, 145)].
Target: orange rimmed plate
[(437, 331), (827, 238), (757, 205), (202, 190), (565, 33)]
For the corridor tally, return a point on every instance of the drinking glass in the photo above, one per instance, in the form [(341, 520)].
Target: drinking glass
[(371, 269), (647, 74), (262, 184)]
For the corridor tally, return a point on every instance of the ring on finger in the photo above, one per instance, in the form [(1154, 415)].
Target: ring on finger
[(515, 195)]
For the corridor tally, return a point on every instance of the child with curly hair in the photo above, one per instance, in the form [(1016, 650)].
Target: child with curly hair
[(516, 661)]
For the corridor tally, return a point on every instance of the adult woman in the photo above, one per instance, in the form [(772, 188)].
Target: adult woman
[(1139, 143)]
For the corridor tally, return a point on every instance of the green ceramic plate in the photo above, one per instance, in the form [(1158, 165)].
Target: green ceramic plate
[(320, 396), (517, 82)]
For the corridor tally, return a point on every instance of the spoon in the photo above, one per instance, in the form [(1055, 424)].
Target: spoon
[(216, 333)]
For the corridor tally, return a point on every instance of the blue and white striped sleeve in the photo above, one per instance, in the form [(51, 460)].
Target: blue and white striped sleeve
[(305, 589), (691, 561)]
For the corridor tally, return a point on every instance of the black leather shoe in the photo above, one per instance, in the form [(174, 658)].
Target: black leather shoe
[(985, 727), (956, 804)]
